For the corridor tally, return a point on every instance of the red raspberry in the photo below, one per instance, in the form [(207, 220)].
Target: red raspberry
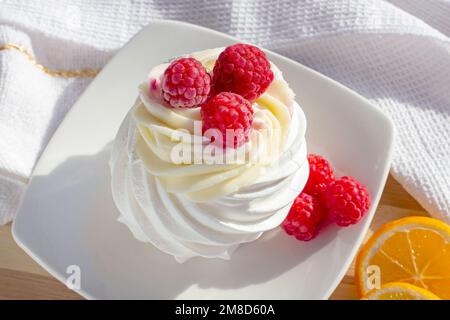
[(305, 218), (228, 112), (347, 201), (320, 174), (185, 83), (242, 69)]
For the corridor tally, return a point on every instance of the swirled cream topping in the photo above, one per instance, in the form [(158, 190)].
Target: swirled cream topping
[(180, 192)]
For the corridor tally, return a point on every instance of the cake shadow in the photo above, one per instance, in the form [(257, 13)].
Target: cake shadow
[(117, 266)]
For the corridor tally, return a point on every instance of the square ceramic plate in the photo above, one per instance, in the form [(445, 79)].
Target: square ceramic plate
[(68, 217)]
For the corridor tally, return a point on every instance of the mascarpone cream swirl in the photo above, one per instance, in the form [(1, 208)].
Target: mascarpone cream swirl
[(198, 206)]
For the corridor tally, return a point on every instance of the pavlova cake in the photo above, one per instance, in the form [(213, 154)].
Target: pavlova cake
[(211, 155)]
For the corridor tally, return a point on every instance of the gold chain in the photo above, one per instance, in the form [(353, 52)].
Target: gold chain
[(55, 73)]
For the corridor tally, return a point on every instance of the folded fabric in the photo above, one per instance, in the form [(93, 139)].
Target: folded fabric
[(395, 53)]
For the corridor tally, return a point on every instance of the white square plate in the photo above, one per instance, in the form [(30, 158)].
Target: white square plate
[(68, 216)]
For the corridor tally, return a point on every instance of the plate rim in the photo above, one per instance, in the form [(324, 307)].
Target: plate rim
[(161, 23)]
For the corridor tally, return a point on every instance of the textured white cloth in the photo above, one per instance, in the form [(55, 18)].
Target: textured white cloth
[(395, 53)]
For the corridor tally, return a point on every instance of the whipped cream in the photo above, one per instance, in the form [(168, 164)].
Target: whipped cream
[(200, 209)]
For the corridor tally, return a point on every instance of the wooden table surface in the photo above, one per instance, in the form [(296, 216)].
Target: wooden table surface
[(22, 278)]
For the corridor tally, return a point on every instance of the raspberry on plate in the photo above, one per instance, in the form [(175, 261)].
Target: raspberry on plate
[(320, 174), (242, 69), (230, 114), (185, 83), (346, 200), (305, 218)]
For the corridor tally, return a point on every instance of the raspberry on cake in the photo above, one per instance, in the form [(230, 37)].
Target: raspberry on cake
[(185, 83), (242, 69), (228, 112)]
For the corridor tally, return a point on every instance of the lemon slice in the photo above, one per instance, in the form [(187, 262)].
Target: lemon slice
[(414, 250), (400, 291)]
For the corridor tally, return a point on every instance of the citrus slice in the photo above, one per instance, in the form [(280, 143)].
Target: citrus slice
[(415, 250), (400, 291)]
